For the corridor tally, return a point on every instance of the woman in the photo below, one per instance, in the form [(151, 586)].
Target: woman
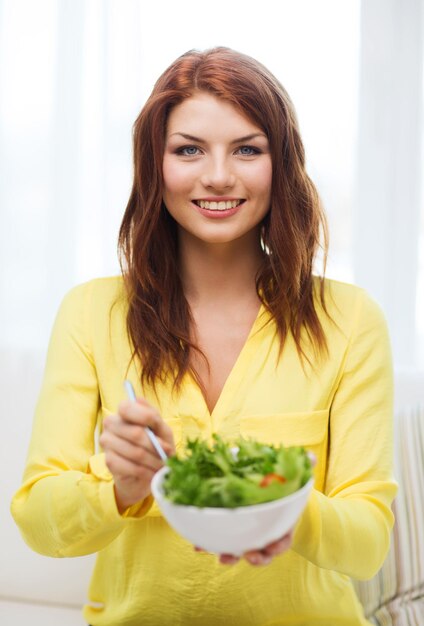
[(222, 326)]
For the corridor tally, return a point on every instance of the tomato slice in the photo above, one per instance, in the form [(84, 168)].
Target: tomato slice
[(270, 478)]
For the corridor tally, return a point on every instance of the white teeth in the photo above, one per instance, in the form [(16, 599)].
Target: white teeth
[(218, 206)]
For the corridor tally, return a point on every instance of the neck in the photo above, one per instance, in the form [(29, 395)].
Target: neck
[(222, 273)]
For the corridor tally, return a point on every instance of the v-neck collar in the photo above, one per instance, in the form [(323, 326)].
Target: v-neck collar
[(222, 404)]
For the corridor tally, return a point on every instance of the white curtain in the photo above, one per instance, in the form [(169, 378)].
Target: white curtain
[(388, 244), (70, 78)]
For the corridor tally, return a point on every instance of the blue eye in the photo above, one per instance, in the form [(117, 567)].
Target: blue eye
[(188, 150), (248, 150)]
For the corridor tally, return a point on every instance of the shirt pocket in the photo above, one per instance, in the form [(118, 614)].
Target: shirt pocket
[(309, 429)]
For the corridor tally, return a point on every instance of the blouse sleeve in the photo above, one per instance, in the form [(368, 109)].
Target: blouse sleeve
[(347, 528), (66, 505)]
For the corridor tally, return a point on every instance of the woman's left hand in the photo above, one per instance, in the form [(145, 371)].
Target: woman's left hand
[(261, 557), (267, 554)]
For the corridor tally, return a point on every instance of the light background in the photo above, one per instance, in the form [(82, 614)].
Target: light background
[(73, 79), (74, 75)]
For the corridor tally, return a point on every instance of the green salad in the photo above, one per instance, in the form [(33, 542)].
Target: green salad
[(238, 474)]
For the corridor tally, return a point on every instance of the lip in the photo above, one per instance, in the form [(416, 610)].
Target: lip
[(217, 214), (218, 199)]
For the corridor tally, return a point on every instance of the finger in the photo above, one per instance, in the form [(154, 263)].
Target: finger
[(257, 557), (144, 415), (138, 413), (132, 433), (116, 425), (137, 454), (137, 434), (228, 559), (280, 546), (119, 466)]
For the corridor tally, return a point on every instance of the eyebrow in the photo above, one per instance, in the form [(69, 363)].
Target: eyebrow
[(239, 140)]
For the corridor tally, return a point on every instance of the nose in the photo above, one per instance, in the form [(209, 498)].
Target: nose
[(218, 173)]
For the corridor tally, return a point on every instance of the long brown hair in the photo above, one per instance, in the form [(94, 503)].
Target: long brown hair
[(159, 317)]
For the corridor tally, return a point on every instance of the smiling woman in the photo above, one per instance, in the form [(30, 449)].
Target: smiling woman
[(209, 97), (219, 177), (223, 328)]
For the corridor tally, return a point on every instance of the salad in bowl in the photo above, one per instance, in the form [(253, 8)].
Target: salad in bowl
[(231, 498)]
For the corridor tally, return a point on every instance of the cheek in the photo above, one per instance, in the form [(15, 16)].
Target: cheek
[(260, 181), (176, 179)]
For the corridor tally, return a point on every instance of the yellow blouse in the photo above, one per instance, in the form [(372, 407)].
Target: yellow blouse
[(145, 574)]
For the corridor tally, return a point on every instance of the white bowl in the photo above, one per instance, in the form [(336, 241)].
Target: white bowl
[(232, 531)]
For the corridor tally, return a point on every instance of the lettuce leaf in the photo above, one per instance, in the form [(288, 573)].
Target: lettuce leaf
[(242, 473)]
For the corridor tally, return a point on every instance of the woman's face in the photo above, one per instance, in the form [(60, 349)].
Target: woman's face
[(217, 171)]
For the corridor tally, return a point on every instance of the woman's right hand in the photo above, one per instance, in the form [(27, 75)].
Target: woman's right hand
[(130, 455)]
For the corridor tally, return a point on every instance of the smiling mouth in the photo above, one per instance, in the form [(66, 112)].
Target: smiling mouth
[(222, 205)]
